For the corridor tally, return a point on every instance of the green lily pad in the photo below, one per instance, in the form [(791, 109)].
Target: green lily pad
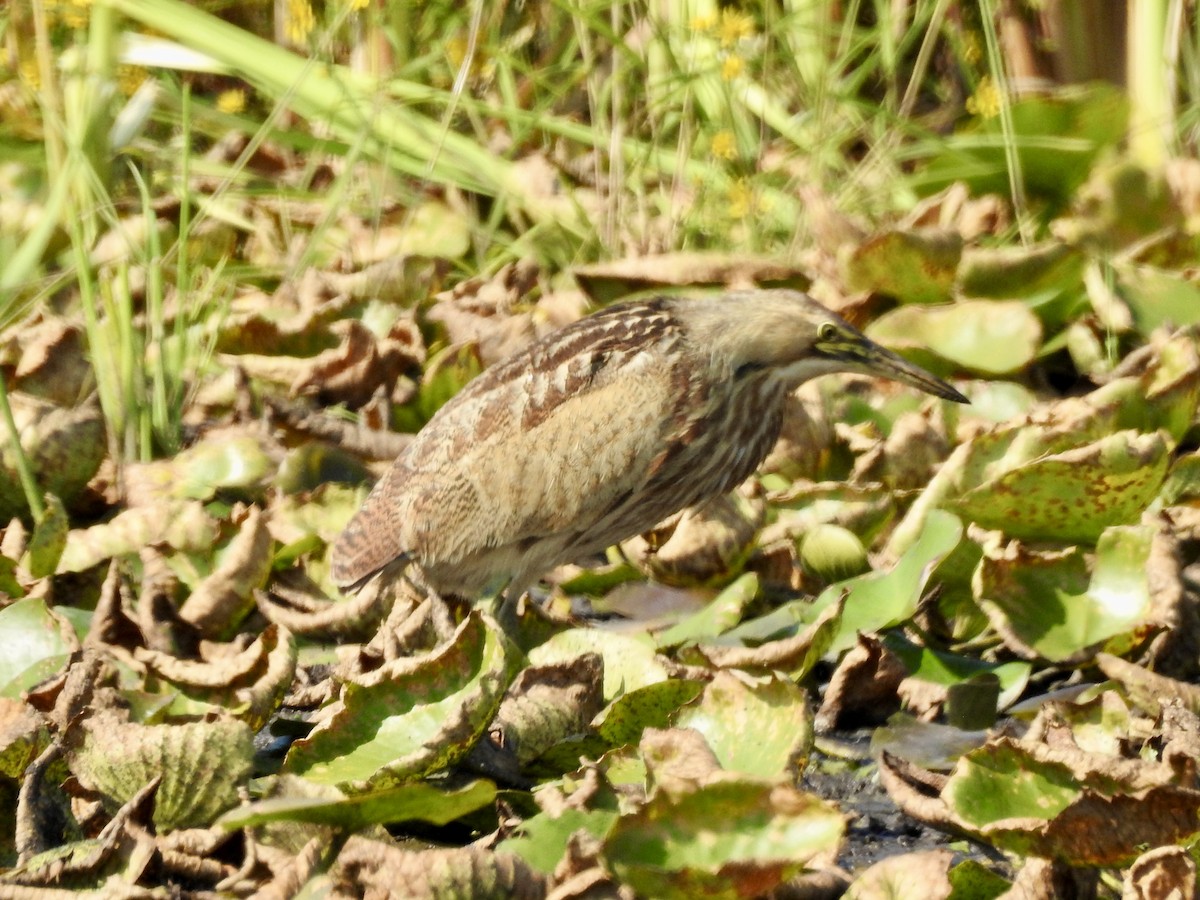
[(721, 613), (735, 838), (1051, 607), (542, 839), (914, 266), (1018, 271), (410, 802), (1085, 809), (37, 644), (879, 600), (1158, 297), (652, 706), (988, 337), (948, 669), (201, 764), (771, 708), (410, 717), (1073, 495), (630, 661)]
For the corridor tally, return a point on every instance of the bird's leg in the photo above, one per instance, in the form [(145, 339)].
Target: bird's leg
[(507, 606)]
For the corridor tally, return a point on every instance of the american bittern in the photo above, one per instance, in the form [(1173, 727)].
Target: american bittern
[(598, 432)]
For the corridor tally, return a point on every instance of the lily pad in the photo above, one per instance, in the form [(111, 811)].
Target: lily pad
[(201, 765), (37, 644), (630, 661), (1073, 495), (1048, 604), (879, 600), (412, 716), (913, 266), (1019, 271), (770, 707), (731, 838), (987, 337)]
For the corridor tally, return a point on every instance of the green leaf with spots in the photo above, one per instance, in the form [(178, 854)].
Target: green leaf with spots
[(201, 765), (413, 716), (914, 266), (1086, 809), (1073, 495), (647, 707), (1019, 271)]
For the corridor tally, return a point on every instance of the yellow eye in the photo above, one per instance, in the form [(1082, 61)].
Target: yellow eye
[(827, 332)]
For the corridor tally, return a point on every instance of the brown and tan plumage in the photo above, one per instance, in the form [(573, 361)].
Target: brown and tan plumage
[(597, 432)]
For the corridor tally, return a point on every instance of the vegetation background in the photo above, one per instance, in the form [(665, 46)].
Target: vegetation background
[(926, 652)]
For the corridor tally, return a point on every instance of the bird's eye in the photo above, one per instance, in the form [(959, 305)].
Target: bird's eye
[(827, 332)]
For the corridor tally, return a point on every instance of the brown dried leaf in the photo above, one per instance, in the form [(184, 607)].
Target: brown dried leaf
[(549, 703), (864, 685), (916, 791), (704, 545), (483, 311), (369, 868), (1045, 879), (606, 282), (249, 683), (304, 610), (789, 653), (906, 876), (909, 455), (1175, 651), (1147, 689), (1164, 873), (678, 760), (222, 600), (52, 364), (361, 364)]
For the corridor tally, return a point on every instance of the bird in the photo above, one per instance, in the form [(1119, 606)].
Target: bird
[(595, 433)]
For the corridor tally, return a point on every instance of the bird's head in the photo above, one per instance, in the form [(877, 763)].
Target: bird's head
[(789, 336)]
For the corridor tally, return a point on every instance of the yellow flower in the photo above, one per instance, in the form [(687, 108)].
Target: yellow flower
[(741, 199), (29, 73), (300, 21), (356, 5), (724, 145), (986, 101), (232, 101), (129, 79), (732, 67), (734, 27), (705, 22), (74, 13)]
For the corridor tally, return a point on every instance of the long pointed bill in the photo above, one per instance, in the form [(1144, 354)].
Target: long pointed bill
[(883, 362)]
